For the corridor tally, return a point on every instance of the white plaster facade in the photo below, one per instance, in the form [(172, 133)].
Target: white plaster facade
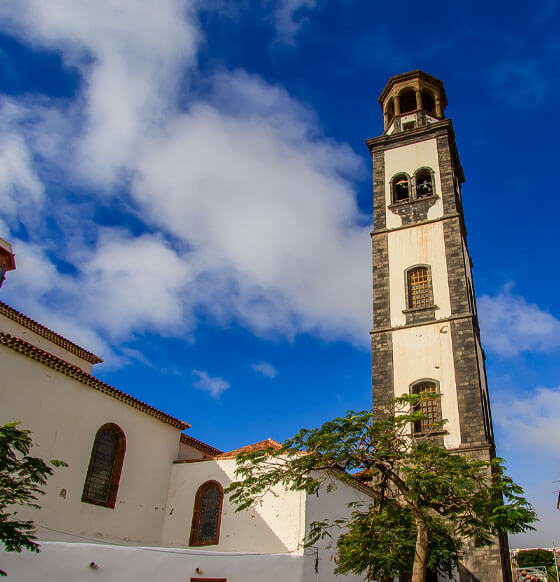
[(146, 535)]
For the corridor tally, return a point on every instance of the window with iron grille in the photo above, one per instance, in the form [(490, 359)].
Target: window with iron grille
[(429, 408), (418, 283), (207, 514), (105, 465)]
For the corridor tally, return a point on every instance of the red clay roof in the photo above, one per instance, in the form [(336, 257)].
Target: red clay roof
[(47, 333), (39, 355), (199, 445), (250, 449)]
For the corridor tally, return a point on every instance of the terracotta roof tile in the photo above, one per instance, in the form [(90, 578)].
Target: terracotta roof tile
[(199, 445), (47, 333), (250, 448), (39, 355)]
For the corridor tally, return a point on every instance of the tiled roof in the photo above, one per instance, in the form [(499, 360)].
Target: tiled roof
[(199, 445), (250, 449), (47, 333), (78, 374)]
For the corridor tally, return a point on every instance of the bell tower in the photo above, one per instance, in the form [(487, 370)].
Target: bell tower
[(425, 334)]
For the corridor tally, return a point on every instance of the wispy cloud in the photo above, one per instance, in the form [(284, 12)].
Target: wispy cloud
[(510, 325), (265, 369), (530, 422), (290, 16), (213, 385)]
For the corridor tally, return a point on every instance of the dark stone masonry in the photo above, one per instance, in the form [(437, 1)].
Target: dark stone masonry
[(489, 564)]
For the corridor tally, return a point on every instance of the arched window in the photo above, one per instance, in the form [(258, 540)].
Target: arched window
[(418, 287), (207, 514), (407, 101), (430, 408), (105, 465), (424, 184), (400, 188), (390, 111), (428, 103)]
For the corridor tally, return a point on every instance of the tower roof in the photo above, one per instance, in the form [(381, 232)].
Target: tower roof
[(417, 74)]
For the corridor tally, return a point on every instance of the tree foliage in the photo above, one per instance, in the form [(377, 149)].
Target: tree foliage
[(426, 499), (21, 479)]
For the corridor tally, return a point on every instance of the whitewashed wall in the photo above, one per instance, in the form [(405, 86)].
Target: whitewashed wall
[(64, 416), (427, 352), (67, 562), (275, 526), (331, 505), (422, 245), (408, 159)]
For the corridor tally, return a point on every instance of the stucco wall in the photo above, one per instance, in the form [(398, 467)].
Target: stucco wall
[(7, 325), (63, 562), (275, 526), (408, 159), (64, 416), (421, 245), (427, 352), (331, 505)]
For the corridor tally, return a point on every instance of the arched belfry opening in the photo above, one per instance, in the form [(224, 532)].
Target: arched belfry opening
[(407, 100), (412, 100)]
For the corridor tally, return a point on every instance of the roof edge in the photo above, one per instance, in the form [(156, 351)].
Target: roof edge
[(48, 334), (60, 365), (199, 445)]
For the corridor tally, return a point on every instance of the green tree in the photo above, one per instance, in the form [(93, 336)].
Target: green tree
[(426, 500), (21, 479), (537, 557)]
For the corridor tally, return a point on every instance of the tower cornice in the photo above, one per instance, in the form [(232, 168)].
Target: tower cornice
[(431, 131)]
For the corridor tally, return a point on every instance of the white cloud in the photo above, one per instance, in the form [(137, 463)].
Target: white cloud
[(528, 435), (265, 369), (531, 421), (511, 325), (249, 207), (290, 16), (213, 385)]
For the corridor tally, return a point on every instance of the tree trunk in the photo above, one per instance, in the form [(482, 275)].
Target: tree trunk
[(421, 553)]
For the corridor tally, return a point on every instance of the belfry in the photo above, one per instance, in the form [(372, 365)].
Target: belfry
[(425, 334)]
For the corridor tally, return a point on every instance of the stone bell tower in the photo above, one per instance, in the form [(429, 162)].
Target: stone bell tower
[(425, 334)]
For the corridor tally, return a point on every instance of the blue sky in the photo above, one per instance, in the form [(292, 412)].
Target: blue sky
[(188, 192)]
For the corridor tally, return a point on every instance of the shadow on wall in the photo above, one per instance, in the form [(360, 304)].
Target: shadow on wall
[(274, 527)]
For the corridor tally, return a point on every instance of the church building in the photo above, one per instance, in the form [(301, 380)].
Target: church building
[(142, 500)]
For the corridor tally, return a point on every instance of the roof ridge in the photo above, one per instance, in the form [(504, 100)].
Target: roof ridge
[(60, 365), (47, 333)]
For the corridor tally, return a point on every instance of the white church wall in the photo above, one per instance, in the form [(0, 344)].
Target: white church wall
[(277, 525), (64, 416), (331, 506), (10, 326), (188, 452), (426, 352), (70, 562), (408, 159), (422, 245)]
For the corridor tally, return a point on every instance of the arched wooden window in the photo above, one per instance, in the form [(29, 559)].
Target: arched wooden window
[(429, 408), (105, 465), (400, 188), (418, 287), (207, 514), (424, 183)]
